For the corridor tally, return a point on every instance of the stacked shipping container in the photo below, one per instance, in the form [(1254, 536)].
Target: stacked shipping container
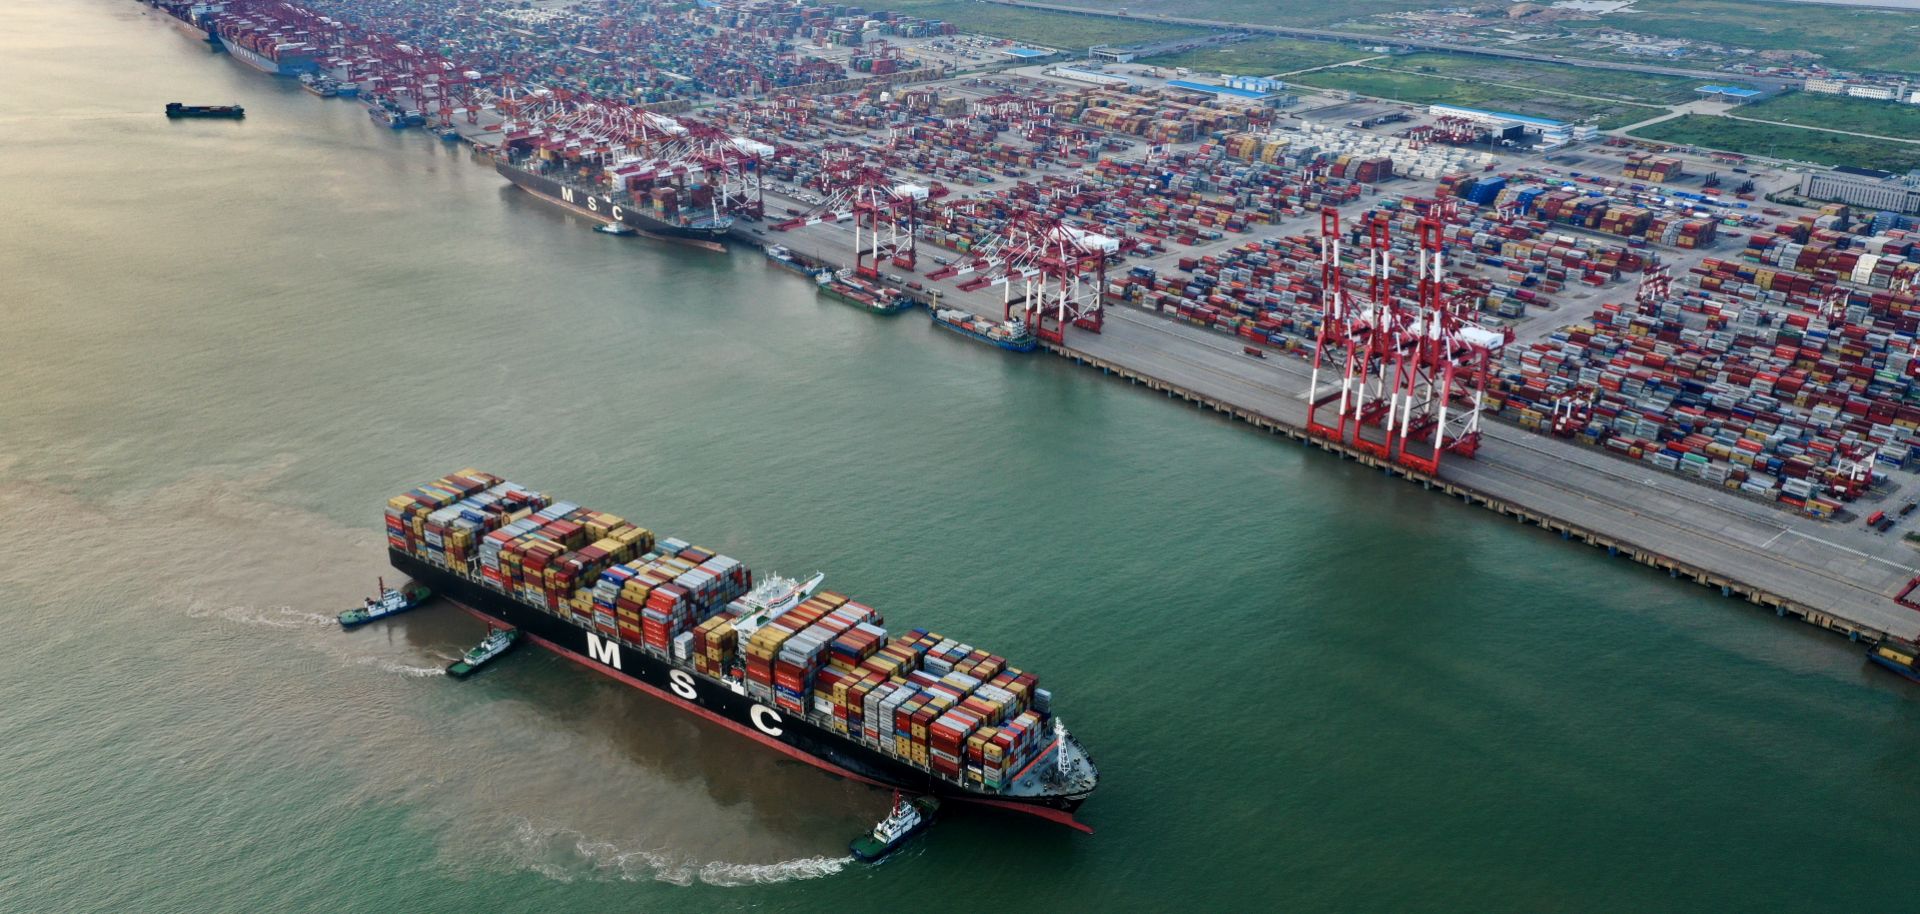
[(953, 709)]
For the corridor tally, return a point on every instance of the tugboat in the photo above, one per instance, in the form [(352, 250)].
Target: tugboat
[(498, 641), (908, 818), (615, 228), (1899, 656), (390, 602), (178, 110)]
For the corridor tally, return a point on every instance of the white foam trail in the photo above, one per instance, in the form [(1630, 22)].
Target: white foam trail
[(277, 617), (610, 862), (391, 666)]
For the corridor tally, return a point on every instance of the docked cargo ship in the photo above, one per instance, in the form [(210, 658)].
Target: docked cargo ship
[(1898, 655), (1013, 335), (663, 211), (260, 46), (194, 17), (785, 259), (810, 673), (850, 289)]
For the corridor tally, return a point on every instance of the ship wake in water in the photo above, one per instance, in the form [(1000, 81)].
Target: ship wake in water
[(275, 617), (565, 854), (387, 665)]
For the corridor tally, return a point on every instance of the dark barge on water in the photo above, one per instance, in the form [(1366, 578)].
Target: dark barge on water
[(176, 109)]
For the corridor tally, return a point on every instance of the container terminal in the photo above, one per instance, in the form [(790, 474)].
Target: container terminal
[(1631, 345)]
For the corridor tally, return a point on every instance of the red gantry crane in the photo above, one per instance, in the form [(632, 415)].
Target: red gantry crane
[(1413, 367)]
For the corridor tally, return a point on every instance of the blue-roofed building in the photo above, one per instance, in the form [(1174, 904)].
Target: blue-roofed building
[(1030, 53), (1497, 118), (1733, 95), (1252, 95)]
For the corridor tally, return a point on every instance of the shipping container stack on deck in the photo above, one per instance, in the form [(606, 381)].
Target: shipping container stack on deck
[(955, 710)]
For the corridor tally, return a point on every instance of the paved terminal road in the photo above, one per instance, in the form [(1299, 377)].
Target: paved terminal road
[(1835, 568)]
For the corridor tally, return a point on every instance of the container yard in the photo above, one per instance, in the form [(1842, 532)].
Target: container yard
[(1604, 341)]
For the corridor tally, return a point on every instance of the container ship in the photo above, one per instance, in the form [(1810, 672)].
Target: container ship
[(1013, 335), (850, 289), (786, 260), (660, 204), (810, 673), (265, 45), (194, 17)]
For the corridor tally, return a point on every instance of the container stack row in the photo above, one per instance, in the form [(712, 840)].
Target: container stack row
[(1642, 166), (1309, 142), (1775, 406), (1154, 115), (1643, 218), (636, 53)]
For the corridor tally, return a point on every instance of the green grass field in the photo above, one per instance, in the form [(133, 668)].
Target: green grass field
[(1262, 56), (1265, 12), (1845, 37), (1783, 142), (1849, 38), (1835, 112), (1056, 30), (1632, 87), (1430, 90)]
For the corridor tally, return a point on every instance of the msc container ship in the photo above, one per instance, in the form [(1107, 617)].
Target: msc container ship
[(679, 212), (260, 45), (810, 673)]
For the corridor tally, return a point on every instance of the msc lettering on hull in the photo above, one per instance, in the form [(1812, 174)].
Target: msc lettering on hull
[(593, 202), (765, 719), (607, 652)]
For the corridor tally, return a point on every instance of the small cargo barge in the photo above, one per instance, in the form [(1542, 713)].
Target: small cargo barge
[(232, 112), (854, 291), (1899, 656), (1011, 335)]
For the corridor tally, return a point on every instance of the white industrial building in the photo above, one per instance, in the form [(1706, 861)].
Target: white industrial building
[(1873, 190)]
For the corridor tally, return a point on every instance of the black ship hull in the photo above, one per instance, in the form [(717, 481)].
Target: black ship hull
[(601, 206), (716, 700)]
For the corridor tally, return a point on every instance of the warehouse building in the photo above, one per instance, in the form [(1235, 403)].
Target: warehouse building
[(1732, 95), (1859, 187)]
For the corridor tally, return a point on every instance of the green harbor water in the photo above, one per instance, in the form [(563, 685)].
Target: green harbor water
[(1309, 688)]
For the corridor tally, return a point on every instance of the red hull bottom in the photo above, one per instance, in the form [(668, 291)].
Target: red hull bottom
[(1052, 815)]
